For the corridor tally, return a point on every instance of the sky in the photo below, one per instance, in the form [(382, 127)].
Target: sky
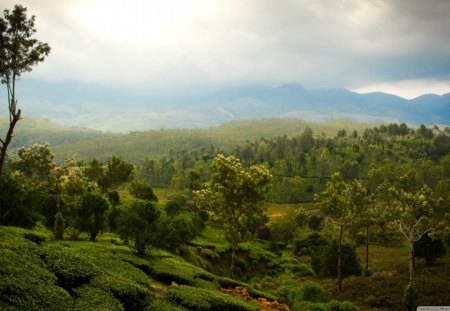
[(163, 47)]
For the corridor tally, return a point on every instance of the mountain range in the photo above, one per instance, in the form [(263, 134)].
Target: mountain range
[(101, 108)]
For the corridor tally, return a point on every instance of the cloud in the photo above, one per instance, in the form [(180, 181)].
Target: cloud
[(167, 45)]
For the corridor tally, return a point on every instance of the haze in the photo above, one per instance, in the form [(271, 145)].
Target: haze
[(164, 47)]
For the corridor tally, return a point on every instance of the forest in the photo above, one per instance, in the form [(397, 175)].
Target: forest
[(269, 214)]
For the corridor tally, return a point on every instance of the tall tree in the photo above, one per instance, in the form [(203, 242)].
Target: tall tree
[(19, 51), (232, 194), (337, 203)]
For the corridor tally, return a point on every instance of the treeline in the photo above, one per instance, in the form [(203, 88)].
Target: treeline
[(301, 164)]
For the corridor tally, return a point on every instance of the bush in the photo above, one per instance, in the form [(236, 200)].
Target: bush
[(16, 204), (201, 299), (33, 237), (342, 306), (315, 222), (90, 298), (312, 291), (132, 295), (324, 260), (300, 305), (410, 296), (141, 190), (429, 249), (26, 284), (307, 246), (71, 267)]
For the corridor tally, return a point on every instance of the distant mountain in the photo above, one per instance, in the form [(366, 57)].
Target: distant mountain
[(96, 107)]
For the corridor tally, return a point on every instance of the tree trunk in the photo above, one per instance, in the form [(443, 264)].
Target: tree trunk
[(341, 229), (367, 248), (233, 254), (7, 141), (411, 259)]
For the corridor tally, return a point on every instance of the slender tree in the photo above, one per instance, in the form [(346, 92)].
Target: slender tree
[(338, 203), (232, 194), (19, 52)]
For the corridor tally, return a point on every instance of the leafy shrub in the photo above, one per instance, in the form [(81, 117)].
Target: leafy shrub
[(299, 269), (141, 190), (410, 296), (342, 306), (174, 231), (164, 305), (132, 295), (312, 291), (90, 298), (26, 284), (16, 204), (315, 222), (324, 260), (429, 249), (300, 305), (307, 245), (202, 299), (71, 267), (33, 237)]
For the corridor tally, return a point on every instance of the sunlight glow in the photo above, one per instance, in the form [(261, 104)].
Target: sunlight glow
[(135, 22), (409, 88)]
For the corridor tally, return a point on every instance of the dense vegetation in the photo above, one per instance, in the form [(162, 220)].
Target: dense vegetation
[(105, 235)]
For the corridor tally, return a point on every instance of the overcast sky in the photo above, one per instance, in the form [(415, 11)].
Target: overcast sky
[(181, 46)]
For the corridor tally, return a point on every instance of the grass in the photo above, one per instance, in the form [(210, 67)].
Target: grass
[(276, 210), (384, 289)]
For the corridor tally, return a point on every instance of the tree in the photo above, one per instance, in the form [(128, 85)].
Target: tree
[(141, 190), (91, 213), (233, 193), (337, 203), (19, 52), (412, 212), (117, 172), (35, 162), (138, 225)]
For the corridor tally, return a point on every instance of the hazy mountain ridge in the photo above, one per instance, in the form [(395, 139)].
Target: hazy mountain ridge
[(96, 107)]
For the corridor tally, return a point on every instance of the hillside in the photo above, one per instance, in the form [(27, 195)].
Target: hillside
[(100, 108), (136, 146)]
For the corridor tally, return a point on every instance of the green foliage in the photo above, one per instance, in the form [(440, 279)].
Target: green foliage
[(35, 162), (410, 296), (19, 52), (141, 190), (232, 194), (59, 227), (324, 260), (172, 232), (309, 244), (430, 249), (92, 213), (16, 208), (118, 171), (33, 237), (342, 306), (133, 296), (25, 283), (71, 267), (315, 222), (138, 223), (203, 299), (90, 298), (312, 291)]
